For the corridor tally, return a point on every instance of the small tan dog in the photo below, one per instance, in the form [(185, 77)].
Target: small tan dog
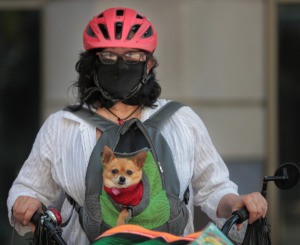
[(122, 180)]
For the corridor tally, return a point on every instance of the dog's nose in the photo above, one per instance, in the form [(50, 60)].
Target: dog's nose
[(122, 180)]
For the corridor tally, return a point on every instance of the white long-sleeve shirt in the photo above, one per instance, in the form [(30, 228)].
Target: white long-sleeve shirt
[(61, 151)]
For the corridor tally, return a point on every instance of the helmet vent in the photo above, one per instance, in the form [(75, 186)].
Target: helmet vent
[(148, 33), (120, 12), (104, 31), (118, 28), (100, 15), (90, 32), (132, 32), (139, 16)]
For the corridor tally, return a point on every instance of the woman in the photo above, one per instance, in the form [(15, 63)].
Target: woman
[(117, 80)]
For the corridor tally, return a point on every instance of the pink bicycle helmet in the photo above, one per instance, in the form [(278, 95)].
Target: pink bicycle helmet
[(120, 28)]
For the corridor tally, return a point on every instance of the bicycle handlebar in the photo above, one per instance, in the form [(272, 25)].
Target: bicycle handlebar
[(237, 217), (39, 219)]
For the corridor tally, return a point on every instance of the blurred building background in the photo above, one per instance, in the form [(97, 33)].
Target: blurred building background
[(235, 62)]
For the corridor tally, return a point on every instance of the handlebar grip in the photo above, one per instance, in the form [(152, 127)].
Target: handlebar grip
[(237, 217), (242, 214), (36, 217)]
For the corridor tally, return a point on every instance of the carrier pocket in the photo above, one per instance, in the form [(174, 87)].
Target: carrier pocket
[(178, 216)]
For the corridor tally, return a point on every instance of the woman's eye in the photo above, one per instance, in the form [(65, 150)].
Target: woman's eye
[(133, 55), (108, 55)]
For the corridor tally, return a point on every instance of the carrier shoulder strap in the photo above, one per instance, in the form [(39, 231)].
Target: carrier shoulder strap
[(100, 123), (158, 118), (93, 118)]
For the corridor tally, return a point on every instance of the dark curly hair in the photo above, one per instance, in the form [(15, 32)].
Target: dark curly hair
[(89, 93)]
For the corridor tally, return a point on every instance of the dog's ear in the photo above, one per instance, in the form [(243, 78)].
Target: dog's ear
[(107, 155), (140, 159)]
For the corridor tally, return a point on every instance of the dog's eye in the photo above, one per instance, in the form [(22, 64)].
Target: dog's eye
[(129, 172), (115, 171)]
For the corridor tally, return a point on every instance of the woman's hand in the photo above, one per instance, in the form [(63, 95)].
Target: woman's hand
[(24, 208), (255, 203)]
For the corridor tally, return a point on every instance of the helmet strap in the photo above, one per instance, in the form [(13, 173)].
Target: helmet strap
[(104, 93)]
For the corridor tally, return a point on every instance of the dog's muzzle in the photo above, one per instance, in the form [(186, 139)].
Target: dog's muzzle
[(122, 180)]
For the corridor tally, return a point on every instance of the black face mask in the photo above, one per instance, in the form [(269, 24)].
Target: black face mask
[(120, 80)]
